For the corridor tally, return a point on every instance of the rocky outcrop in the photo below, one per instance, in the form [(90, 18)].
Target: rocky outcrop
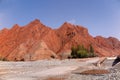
[(24, 43)]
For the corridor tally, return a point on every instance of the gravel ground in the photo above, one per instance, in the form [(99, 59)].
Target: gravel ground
[(57, 69), (113, 75)]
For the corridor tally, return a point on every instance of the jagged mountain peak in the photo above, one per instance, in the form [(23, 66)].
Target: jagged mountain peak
[(67, 25), (35, 22), (16, 26)]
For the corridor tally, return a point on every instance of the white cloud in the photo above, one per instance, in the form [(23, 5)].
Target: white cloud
[(72, 21)]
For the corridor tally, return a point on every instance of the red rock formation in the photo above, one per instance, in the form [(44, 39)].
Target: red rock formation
[(24, 43)]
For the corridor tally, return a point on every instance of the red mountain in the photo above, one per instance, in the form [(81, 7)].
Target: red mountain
[(37, 41)]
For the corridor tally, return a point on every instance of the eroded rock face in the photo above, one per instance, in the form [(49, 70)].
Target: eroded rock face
[(107, 46), (25, 42), (18, 42)]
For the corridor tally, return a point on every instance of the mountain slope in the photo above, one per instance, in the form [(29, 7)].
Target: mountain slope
[(17, 42)]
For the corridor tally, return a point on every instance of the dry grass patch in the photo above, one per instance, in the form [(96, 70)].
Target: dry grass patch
[(95, 71)]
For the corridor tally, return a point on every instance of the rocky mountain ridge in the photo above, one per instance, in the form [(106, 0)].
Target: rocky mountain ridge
[(36, 41)]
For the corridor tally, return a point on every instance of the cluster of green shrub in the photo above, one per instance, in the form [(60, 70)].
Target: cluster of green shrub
[(81, 52)]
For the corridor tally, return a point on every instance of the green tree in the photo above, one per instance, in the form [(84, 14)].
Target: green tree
[(81, 52), (74, 52), (91, 49), (79, 47), (91, 54)]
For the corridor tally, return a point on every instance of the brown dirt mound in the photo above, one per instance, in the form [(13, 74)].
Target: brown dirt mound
[(54, 78), (95, 71)]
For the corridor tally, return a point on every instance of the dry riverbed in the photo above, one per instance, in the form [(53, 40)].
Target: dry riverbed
[(68, 69)]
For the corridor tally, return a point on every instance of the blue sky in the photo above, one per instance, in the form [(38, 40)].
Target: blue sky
[(101, 17)]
